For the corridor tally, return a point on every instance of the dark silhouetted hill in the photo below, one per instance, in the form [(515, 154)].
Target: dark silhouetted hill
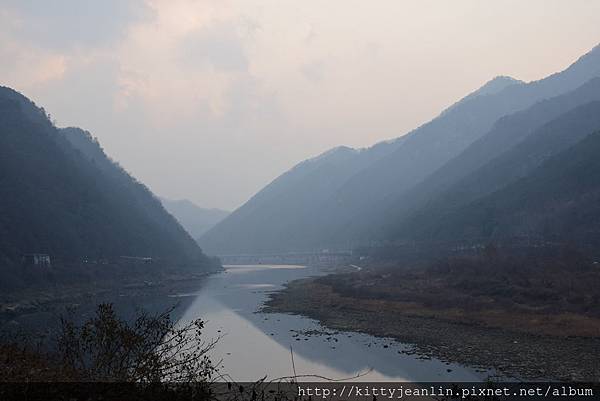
[(61, 195)]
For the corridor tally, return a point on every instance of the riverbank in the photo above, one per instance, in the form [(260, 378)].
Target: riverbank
[(61, 296), (451, 334)]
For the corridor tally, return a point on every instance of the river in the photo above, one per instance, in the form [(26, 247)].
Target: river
[(254, 344)]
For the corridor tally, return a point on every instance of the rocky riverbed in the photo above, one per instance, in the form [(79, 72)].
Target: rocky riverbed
[(513, 353)]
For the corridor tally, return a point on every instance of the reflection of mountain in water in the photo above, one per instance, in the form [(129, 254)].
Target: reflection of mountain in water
[(255, 344)]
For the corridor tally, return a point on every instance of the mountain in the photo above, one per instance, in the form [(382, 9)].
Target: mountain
[(432, 145), (332, 201), (491, 87), (61, 195), (558, 201), (540, 131), (516, 163), (262, 224), (193, 218)]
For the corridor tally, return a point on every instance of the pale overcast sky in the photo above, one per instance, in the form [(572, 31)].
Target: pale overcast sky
[(211, 100)]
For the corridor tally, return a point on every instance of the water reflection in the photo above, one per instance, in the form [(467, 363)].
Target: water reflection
[(255, 345)]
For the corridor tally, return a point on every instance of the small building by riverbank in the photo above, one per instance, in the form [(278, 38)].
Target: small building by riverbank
[(36, 259)]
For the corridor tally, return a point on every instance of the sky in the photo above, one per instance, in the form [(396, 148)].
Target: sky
[(211, 100)]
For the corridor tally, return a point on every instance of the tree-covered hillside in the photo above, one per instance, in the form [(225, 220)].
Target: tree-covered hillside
[(564, 119), (558, 202), (61, 195)]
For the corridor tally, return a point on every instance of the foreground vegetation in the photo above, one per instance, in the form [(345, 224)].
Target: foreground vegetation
[(149, 357), (106, 348)]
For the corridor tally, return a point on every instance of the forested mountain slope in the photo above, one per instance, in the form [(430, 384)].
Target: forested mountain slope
[(545, 128), (559, 201), (432, 145), (61, 195)]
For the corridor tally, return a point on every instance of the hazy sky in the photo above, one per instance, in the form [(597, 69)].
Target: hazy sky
[(211, 100)]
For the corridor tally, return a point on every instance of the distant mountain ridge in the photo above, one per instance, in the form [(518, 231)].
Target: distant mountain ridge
[(264, 220), (61, 195), (332, 201), (195, 219), (491, 87)]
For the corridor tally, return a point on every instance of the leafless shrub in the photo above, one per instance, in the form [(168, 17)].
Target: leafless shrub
[(150, 349)]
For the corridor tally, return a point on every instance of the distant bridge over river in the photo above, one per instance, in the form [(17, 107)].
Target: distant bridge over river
[(290, 258)]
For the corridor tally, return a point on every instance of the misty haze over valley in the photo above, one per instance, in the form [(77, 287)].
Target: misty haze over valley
[(215, 193)]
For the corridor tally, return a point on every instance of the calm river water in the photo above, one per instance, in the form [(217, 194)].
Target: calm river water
[(258, 344)]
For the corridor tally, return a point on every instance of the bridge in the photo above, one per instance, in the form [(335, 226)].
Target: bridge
[(322, 258)]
